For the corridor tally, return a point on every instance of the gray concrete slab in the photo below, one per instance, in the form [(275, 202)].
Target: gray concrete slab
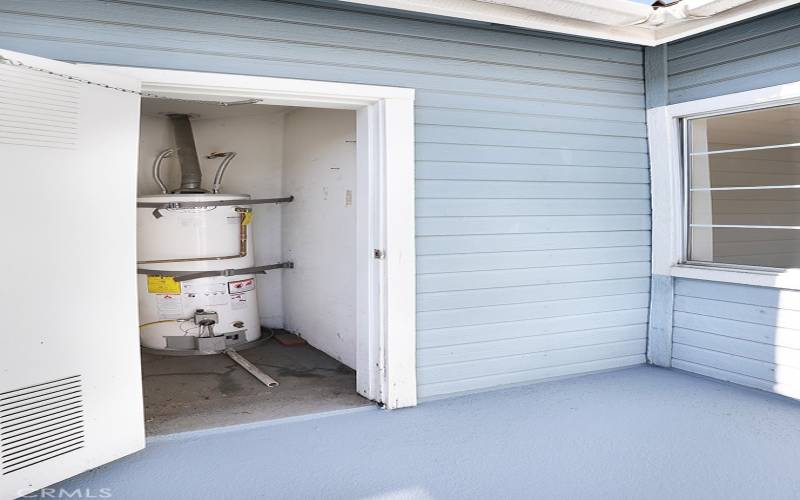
[(639, 433), (199, 392)]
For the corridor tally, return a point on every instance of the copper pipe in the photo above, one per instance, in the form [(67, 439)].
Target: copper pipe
[(242, 231)]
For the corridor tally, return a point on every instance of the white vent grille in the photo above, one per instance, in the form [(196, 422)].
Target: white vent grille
[(40, 422), (37, 109)]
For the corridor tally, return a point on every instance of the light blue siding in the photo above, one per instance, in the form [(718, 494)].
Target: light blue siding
[(754, 54), (532, 169), (743, 334)]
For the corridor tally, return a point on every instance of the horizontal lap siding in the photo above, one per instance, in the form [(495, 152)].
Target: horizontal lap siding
[(754, 54), (532, 183), (743, 334)]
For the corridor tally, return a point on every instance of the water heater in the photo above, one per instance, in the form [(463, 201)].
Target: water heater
[(196, 284), (206, 314)]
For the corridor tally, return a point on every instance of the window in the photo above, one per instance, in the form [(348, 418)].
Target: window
[(743, 180)]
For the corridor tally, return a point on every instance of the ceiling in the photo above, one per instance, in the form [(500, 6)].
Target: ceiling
[(155, 107), (630, 21)]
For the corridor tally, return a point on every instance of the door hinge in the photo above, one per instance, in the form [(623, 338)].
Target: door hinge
[(378, 253)]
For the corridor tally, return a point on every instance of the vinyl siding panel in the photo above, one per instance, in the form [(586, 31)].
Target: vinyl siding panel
[(531, 162), (743, 334), (757, 53)]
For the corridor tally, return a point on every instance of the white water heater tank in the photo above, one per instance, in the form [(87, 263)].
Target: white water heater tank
[(184, 240)]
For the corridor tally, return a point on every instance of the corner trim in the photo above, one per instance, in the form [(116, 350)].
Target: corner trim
[(659, 329)]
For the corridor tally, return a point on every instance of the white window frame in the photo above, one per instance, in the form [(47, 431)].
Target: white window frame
[(667, 175), (385, 217)]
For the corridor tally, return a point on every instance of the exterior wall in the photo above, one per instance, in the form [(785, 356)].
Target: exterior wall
[(743, 334), (532, 170), (758, 53)]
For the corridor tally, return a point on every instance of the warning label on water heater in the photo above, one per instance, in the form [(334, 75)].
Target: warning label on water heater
[(163, 284), (238, 301), (241, 285), (169, 306)]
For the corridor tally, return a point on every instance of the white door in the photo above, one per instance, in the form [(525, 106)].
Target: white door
[(70, 385)]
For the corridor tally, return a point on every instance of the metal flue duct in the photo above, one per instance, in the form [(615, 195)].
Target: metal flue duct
[(191, 175)]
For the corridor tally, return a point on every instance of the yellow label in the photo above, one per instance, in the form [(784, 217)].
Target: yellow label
[(247, 219), (163, 284)]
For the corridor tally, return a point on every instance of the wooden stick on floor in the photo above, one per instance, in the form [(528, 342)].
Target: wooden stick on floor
[(251, 368)]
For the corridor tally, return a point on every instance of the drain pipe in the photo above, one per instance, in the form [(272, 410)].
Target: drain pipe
[(191, 175)]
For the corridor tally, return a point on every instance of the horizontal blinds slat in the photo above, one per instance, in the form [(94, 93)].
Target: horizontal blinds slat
[(740, 150), (735, 226), (746, 188)]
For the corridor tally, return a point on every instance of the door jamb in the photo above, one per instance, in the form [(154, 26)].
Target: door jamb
[(385, 230)]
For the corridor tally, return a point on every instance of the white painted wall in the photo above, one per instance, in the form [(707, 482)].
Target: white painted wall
[(256, 170), (155, 135), (256, 135), (319, 294)]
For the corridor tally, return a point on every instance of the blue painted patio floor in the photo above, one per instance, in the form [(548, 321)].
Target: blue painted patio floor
[(637, 433)]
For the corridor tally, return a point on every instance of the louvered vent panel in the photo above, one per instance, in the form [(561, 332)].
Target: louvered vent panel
[(40, 422), (37, 109)]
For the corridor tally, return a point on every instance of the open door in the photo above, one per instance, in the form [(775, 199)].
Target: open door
[(70, 386)]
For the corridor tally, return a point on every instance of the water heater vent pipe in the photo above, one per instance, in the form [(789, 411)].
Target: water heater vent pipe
[(191, 175)]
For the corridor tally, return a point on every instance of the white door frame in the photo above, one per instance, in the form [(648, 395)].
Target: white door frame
[(385, 286)]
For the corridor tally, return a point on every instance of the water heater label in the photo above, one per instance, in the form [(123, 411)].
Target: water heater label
[(163, 284), (216, 298), (238, 301), (169, 306), (241, 285), (190, 302)]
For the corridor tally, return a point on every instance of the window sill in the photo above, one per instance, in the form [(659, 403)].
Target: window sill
[(789, 279)]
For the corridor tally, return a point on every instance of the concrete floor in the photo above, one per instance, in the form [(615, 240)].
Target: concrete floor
[(631, 434), (199, 392)]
